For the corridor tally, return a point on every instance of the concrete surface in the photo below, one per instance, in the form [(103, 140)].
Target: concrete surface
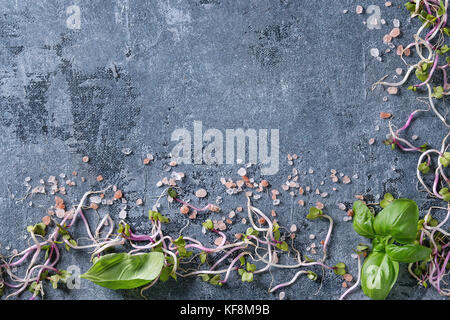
[(136, 70)]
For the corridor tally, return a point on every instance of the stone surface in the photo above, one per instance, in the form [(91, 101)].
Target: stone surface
[(137, 70)]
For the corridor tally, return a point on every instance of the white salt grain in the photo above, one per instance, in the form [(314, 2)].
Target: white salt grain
[(374, 52)]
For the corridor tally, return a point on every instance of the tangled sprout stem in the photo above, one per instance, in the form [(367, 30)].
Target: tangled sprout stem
[(259, 247), (430, 48)]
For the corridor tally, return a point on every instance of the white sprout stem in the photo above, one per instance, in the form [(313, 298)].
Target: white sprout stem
[(282, 285), (353, 287)]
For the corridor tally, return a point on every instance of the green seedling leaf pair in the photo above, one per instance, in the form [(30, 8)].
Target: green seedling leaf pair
[(125, 271), (156, 216), (208, 224), (124, 229), (35, 288), (214, 280), (424, 168), (38, 229), (423, 71), (247, 273), (203, 257), (443, 49), (180, 243), (60, 277), (172, 193), (251, 232), (445, 159), (311, 276), (314, 213), (167, 273), (438, 92), (397, 222), (339, 269), (276, 231), (66, 236), (283, 246), (431, 221), (445, 194)]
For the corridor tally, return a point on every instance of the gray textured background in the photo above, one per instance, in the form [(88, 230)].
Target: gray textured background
[(302, 67)]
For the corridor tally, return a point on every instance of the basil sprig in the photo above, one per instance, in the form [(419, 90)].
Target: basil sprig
[(393, 231)]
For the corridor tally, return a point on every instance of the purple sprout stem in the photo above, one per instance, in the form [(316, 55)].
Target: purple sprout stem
[(408, 122), (435, 183), (285, 284), (224, 257), (436, 59), (231, 266), (141, 237)]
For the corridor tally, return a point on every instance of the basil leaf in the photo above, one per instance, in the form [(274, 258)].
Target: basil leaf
[(363, 220), (408, 253), (398, 220), (124, 271), (378, 276)]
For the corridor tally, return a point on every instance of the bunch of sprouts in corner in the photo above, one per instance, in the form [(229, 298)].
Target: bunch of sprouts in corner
[(430, 47)]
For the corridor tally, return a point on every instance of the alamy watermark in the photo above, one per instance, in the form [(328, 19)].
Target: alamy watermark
[(215, 147)]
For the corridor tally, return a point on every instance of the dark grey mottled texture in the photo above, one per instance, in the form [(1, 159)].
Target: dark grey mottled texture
[(299, 66)]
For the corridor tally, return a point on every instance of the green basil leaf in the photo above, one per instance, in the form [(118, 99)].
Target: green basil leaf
[(408, 253), (124, 271), (378, 276), (363, 220), (398, 220)]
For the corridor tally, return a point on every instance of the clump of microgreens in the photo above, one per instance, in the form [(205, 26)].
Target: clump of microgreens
[(431, 49), (155, 256)]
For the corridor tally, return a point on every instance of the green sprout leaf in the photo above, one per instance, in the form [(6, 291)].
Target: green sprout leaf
[(424, 167), (203, 256), (251, 267), (422, 72), (215, 280), (314, 213), (438, 92), (208, 224), (62, 277), (156, 216), (424, 147), (283, 246), (205, 277), (339, 269), (172, 193), (37, 229), (312, 276), (247, 277)]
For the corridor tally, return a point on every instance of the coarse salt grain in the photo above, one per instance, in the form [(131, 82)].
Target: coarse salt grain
[(374, 52), (392, 90), (394, 32), (387, 39), (201, 193)]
